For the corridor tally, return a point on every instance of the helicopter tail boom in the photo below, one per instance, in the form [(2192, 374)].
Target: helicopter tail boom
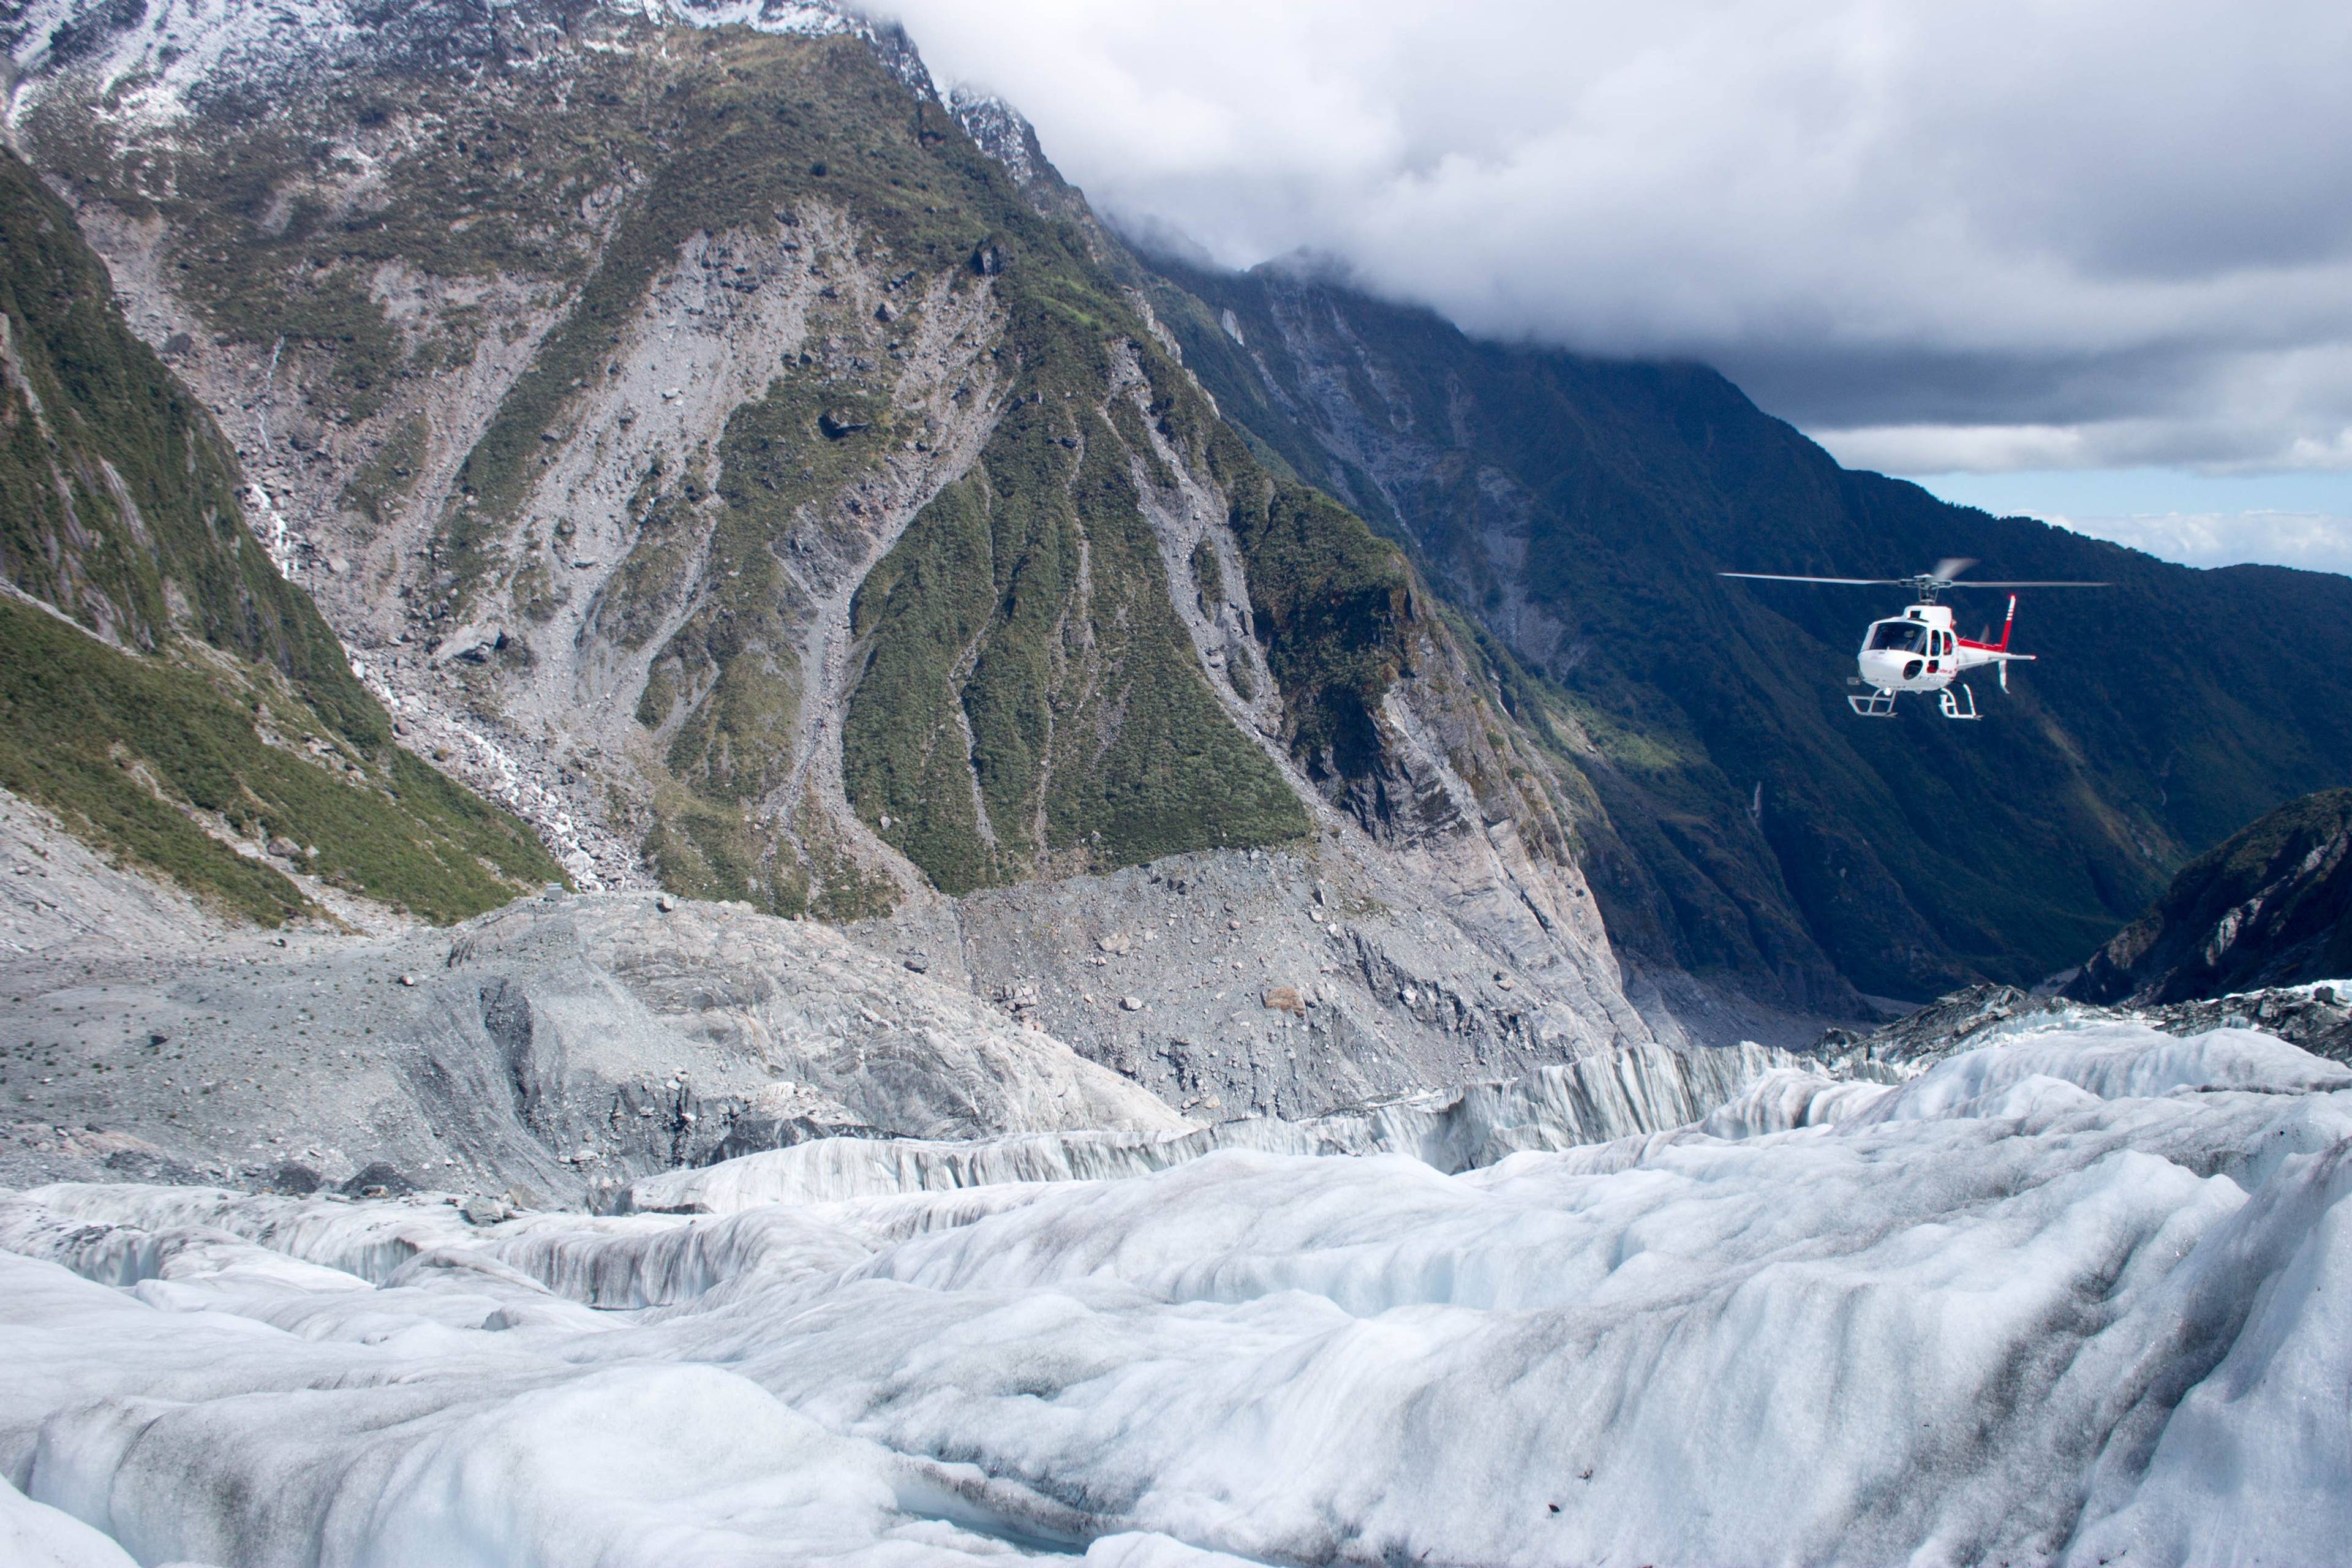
[(2006, 626)]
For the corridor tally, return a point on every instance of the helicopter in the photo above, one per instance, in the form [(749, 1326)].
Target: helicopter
[(1917, 650)]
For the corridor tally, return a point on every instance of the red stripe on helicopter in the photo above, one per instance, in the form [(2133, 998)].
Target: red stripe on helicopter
[(2002, 646)]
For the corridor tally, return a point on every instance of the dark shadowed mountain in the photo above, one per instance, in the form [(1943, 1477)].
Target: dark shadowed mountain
[(1578, 509)]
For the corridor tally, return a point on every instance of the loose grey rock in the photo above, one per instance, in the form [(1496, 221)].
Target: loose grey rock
[(483, 1212), (511, 1047), (379, 1179), (294, 1180)]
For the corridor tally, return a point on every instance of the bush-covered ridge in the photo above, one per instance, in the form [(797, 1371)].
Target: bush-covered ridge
[(1027, 698), (133, 753), (118, 497), (219, 696)]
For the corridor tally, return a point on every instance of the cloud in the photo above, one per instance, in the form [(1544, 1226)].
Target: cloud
[(2315, 542), (2118, 230), (1956, 449)]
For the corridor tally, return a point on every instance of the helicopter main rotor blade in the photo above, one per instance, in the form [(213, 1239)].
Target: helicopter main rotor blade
[(1851, 581), (1974, 584), (1951, 567)]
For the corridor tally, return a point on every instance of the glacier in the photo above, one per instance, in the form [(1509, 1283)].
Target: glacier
[(2077, 1293)]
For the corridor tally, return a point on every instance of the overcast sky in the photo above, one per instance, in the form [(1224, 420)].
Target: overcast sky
[(1970, 244)]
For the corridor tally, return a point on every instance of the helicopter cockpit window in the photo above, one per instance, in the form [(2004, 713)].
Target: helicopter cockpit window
[(1902, 637)]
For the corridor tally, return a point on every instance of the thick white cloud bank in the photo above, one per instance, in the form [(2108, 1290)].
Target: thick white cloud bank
[(2083, 1294), (2113, 232)]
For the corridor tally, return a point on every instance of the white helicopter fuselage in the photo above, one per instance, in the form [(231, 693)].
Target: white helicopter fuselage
[(1917, 651)]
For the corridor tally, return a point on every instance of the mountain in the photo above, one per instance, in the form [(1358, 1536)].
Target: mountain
[(1578, 509), (715, 452), (767, 476), (770, 478), (2266, 907), (163, 689)]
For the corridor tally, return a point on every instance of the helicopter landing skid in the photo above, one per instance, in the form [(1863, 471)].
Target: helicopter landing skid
[(1877, 705), (1960, 702)]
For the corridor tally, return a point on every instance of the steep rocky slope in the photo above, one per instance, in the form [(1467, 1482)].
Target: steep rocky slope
[(1579, 509), (2269, 905), (164, 692), (712, 452)]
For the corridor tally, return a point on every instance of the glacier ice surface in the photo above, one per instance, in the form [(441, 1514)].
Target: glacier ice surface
[(2078, 1295), (34, 1535)]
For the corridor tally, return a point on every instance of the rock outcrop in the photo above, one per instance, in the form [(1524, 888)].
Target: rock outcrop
[(2270, 906)]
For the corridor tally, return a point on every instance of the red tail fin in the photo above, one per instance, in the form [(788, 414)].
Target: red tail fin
[(2009, 622)]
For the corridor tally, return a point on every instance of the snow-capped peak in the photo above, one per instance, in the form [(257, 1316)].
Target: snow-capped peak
[(156, 61)]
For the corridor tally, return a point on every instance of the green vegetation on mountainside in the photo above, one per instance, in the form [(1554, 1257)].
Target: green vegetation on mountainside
[(1332, 601), (122, 747), (118, 506), (118, 497), (728, 685), (1030, 700)]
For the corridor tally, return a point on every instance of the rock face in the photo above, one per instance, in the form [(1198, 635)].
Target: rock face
[(1395, 992), (2270, 906), (56, 893)]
